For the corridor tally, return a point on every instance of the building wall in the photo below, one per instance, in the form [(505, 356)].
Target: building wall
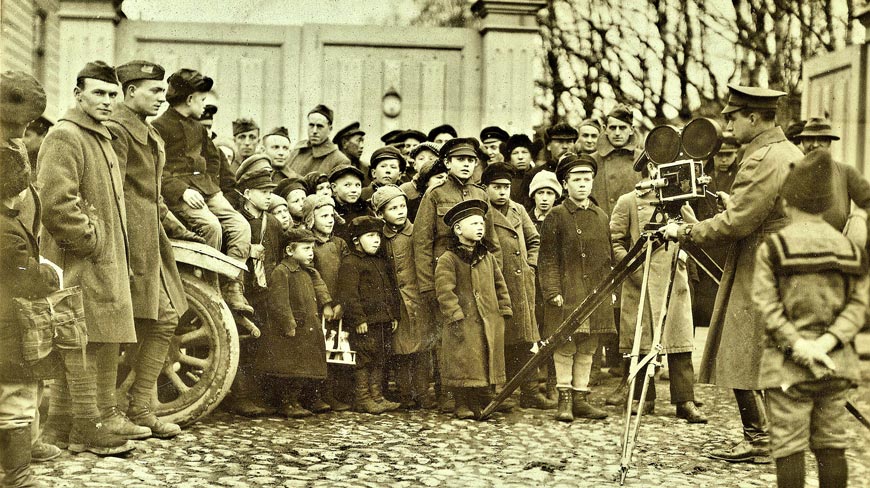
[(31, 43)]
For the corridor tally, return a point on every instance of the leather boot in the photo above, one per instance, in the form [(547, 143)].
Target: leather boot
[(376, 379), (329, 397), (446, 401), (15, 458), (649, 407), (290, 406), (363, 401), (530, 397), (552, 393), (41, 452), (564, 411), (233, 294), (581, 408), (462, 411), (90, 435), (691, 413), (619, 395), (317, 403), (56, 430), (117, 423), (755, 446), (142, 415)]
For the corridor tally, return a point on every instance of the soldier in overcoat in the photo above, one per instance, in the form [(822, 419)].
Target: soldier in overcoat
[(732, 354)]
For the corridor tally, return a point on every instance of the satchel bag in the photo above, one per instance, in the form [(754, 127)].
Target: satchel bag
[(55, 321)]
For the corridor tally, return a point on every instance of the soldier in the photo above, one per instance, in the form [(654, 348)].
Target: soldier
[(317, 152), (442, 134), (155, 285), (615, 155), (276, 145), (492, 138), (246, 135), (588, 133), (351, 142), (733, 351)]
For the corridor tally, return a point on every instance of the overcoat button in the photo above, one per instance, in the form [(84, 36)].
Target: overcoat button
[(519, 271), (517, 253), (583, 255), (579, 231)]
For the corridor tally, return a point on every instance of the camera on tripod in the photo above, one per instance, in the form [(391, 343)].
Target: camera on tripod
[(680, 154)]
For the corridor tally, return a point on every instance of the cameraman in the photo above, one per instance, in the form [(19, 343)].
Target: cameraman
[(732, 354)]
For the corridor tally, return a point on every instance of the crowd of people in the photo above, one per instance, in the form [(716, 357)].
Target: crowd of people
[(443, 261)]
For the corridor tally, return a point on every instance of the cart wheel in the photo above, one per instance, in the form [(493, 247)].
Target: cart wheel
[(202, 359)]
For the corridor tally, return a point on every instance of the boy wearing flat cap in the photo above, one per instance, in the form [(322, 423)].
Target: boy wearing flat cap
[(157, 292), (809, 362), (346, 182), (559, 138), (492, 138), (387, 166), (441, 134), (369, 296), (474, 298), (191, 180), (317, 153), (575, 254), (520, 244)]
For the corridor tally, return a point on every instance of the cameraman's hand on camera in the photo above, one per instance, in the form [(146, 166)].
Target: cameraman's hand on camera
[(670, 231), (725, 202), (557, 300)]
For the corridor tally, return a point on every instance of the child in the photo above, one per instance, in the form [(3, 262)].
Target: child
[(292, 348), (575, 255), (278, 209), (191, 177), (429, 174), (811, 285), (368, 294), (412, 338), (346, 183), (319, 217), (474, 298), (387, 165), (630, 215), (520, 243), (317, 183)]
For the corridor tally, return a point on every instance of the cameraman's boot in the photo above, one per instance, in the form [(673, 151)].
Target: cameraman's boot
[(531, 397), (581, 408), (90, 435), (234, 296), (15, 458), (564, 411)]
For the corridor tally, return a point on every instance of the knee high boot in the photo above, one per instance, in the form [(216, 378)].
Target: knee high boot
[(15, 458)]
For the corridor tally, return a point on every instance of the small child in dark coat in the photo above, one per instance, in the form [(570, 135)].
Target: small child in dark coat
[(369, 295), (811, 285), (474, 297), (292, 347)]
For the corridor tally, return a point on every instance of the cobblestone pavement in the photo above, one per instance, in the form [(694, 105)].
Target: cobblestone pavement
[(523, 448)]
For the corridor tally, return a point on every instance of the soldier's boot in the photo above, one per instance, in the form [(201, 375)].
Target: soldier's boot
[(581, 408), (142, 415), (56, 430), (41, 452), (15, 458), (329, 397), (564, 412), (531, 397), (755, 446), (117, 423), (90, 435), (376, 380), (462, 410), (234, 296)]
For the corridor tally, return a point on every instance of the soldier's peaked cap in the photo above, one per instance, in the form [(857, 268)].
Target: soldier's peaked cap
[(465, 209), (742, 97), (348, 131)]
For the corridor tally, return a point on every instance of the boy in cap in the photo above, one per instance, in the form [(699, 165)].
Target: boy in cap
[(317, 183), (518, 154), (85, 217), (292, 348), (575, 254), (346, 183), (441, 134), (422, 157), (412, 338), (157, 292), (492, 138), (191, 178), (811, 287), (387, 166), (473, 296), (368, 294), (317, 153), (278, 209), (559, 139), (520, 243)]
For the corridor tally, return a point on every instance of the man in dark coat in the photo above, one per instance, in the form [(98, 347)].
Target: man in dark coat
[(155, 285), (732, 355)]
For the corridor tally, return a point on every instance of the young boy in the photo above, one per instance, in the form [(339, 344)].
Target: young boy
[(369, 296), (474, 298), (319, 217), (575, 254), (387, 165), (412, 338), (811, 286), (191, 177), (292, 348), (278, 209), (317, 183), (346, 183)]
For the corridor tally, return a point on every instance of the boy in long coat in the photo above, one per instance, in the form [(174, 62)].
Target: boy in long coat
[(520, 242), (474, 298), (575, 255)]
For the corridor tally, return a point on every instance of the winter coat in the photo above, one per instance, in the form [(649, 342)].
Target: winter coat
[(473, 295), (348, 212), (631, 213), (804, 298), (192, 159), (323, 158), (328, 255), (415, 331), (85, 220), (141, 157), (432, 236), (296, 295), (367, 291), (575, 256), (520, 243), (732, 355), (849, 186), (616, 175)]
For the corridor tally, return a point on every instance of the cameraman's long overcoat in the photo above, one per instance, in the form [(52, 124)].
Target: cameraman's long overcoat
[(735, 341), (85, 222)]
